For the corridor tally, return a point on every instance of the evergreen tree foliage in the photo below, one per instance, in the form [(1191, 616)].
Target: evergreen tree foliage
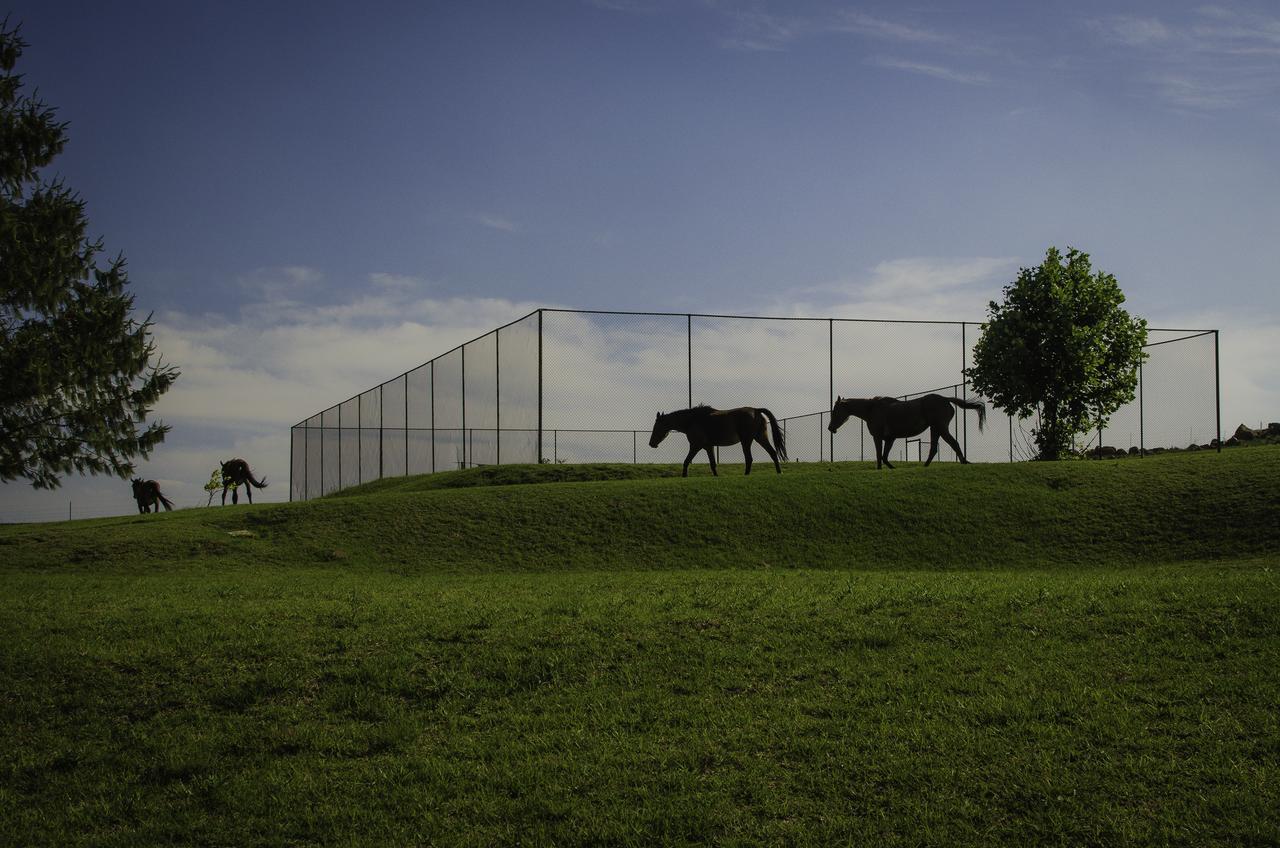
[(1062, 347), (77, 378)]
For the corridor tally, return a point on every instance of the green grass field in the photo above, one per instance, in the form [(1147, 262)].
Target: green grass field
[(1080, 653)]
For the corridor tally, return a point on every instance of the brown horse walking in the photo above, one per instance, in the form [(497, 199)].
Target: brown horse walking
[(234, 473), (889, 419), (708, 428), (147, 494)]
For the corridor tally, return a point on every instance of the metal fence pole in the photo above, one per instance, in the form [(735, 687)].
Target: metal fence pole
[(539, 386), (339, 448), (1217, 389), (831, 381), (464, 408), (964, 386), (382, 403), (292, 435), (497, 396), (689, 339), (1142, 425), (433, 416), (359, 439), (406, 424)]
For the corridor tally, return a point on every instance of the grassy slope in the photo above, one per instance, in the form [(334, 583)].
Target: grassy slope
[(1163, 509), (945, 655)]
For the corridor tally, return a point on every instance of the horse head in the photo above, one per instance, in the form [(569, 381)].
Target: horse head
[(660, 430), (839, 414)]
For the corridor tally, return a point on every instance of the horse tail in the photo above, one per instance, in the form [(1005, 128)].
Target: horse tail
[(168, 504), (778, 441), (261, 484), (973, 404)]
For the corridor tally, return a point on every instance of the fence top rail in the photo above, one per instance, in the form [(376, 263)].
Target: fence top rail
[(1196, 334), (755, 317)]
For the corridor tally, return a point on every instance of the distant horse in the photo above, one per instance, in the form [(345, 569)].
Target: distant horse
[(147, 494), (234, 473), (889, 418), (707, 428)]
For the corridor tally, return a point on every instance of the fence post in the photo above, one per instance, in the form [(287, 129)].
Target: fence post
[(406, 423), (433, 416), (339, 489), (689, 339), (539, 387), (964, 384), (1142, 424), (464, 406), (497, 396), (382, 404), (831, 381), (1217, 389), (359, 438), (292, 436)]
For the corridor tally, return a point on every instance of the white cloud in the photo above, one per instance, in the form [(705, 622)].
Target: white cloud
[(931, 70), (1130, 31), (1215, 59), (495, 222), (860, 23)]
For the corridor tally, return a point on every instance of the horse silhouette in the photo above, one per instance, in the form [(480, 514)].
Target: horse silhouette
[(147, 494), (707, 428), (235, 472), (889, 419)]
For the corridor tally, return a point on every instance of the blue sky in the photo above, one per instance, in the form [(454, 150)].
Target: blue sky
[(315, 197)]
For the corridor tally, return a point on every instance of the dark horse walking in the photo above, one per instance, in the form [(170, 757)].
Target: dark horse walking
[(707, 428), (889, 418), (147, 494), (234, 473)]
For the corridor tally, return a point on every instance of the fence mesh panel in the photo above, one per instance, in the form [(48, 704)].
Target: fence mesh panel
[(564, 386)]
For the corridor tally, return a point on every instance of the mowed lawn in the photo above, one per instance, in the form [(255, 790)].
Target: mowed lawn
[(330, 680)]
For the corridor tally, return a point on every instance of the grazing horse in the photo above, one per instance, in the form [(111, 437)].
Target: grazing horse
[(234, 473), (708, 428), (889, 418), (147, 494)]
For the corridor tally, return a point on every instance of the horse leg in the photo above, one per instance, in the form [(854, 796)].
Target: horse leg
[(692, 452), (888, 446), (224, 494), (955, 446), (248, 490), (933, 447), (768, 448), (878, 444), (746, 453), (711, 456)]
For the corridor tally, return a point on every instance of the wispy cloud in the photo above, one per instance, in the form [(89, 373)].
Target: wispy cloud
[(1215, 59), (930, 70), (495, 222), (759, 31), (860, 23)]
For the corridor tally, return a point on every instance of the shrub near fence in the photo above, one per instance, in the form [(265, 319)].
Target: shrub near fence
[(577, 386)]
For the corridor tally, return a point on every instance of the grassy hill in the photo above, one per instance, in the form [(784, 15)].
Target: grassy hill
[(1078, 653), (947, 516)]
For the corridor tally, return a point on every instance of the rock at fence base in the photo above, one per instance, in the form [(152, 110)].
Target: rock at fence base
[(1273, 429), (1245, 434), (1133, 450), (1232, 442), (1193, 446)]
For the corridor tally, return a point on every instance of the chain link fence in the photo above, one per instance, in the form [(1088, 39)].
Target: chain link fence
[(568, 386)]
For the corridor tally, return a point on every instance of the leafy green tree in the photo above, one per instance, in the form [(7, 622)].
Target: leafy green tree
[(1060, 347), (77, 378)]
